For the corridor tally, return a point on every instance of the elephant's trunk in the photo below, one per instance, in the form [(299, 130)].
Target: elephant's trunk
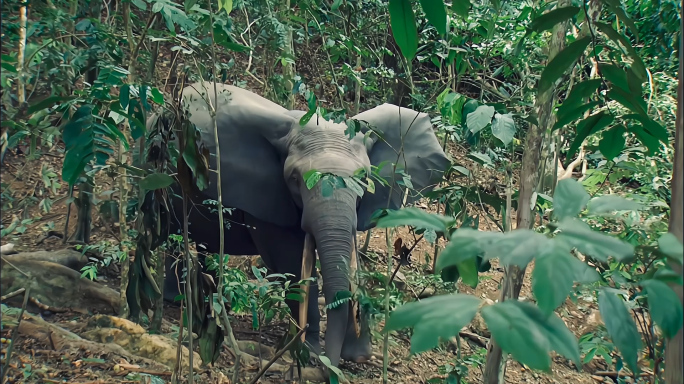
[(332, 222)]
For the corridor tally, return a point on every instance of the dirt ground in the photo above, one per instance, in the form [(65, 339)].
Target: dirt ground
[(37, 362)]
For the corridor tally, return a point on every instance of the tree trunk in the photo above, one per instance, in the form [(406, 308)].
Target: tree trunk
[(288, 69), (673, 350), (529, 175)]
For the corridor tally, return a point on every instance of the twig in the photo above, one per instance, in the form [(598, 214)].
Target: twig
[(277, 356), (12, 294), (15, 267), (15, 334)]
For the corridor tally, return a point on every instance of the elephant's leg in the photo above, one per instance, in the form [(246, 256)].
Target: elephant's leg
[(281, 249), (357, 348)]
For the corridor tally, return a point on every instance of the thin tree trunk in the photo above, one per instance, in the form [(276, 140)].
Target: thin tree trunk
[(674, 354), (288, 69), (532, 157), (21, 90)]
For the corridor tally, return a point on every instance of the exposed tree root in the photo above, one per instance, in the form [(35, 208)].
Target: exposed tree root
[(54, 285)]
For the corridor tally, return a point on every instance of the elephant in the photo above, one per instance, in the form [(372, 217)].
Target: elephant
[(265, 153)]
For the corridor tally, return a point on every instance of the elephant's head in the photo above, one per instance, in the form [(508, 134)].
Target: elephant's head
[(265, 154)]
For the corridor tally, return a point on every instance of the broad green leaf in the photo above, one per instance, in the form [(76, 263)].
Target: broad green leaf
[(594, 243), (516, 247), (404, 30), (125, 96), (587, 127), (436, 14), (629, 101), (157, 96), (464, 244), (335, 373), (612, 142), (616, 75), (225, 4), (468, 272), (434, 318), (561, 63), (353, 185), (651, 126), (578, 94), (481, 158), (551, 280), (665, 307), (646, 138), (634, 82), (567, 116), (551, 18), (616, 7), (311, 177), (47, 103), (620, 327), (503, 127), (307, 116), (415, 217), (668, 276), (156, 181), (525, 332), (469, 107), (480, 118), (610, 203), (637, 64), (461, 7), (569, 199), (671, 246)]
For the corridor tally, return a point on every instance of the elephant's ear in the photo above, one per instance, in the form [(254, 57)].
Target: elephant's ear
[(407, 139), (252, 135)]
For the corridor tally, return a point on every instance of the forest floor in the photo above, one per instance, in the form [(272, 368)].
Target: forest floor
[(36, 361)]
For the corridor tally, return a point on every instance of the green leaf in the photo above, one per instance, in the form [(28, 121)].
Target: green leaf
[(620, 327), (550, 19), (587, 127), (637, 64), (225, 4), (125, 96), (404, 30), (525, 332), (569, 199), (634, 104), (568, 116), (594, 243), (616, 75), (47, 103), (503, 127), (434, 318), (335, 373), (551, 282), (670, 245), (650, 126), (157, 96), (516, 247), (436, 14), (311, 177), (578, 94), (479, 118), (646, 138), (353, 185), (461, 7), (561, 63), (616, 7), (481, 158), (612, 142), (156, 181), (665, 306), (610, 203), (415, 217)]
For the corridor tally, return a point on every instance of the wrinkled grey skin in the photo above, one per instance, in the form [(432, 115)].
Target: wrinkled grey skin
[(264, 155)]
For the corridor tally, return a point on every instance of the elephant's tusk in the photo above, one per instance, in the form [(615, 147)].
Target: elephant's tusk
[(352, 280), (307, 266)]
